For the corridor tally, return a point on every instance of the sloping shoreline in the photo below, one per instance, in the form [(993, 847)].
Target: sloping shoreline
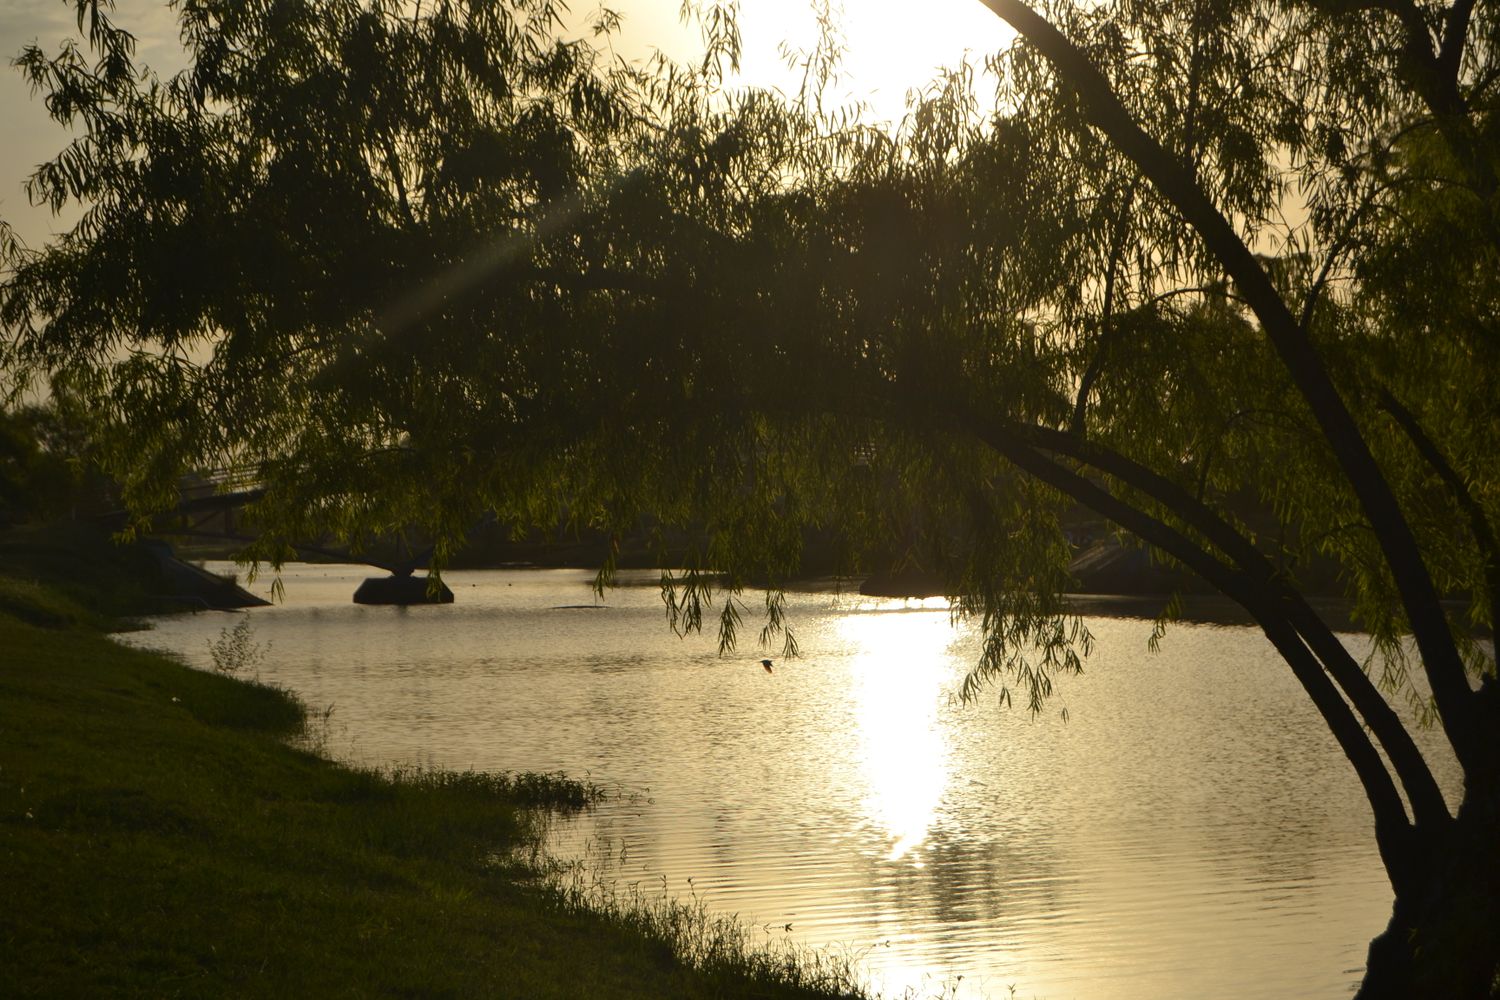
[(160, 835)]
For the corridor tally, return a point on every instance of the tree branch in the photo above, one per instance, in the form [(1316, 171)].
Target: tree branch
[(1440, 657), (1393, 834), (1479, 524), (1455, 34), (1428, 805), (1106, 321), (393, 165), (1315, 292), (1434, 75)]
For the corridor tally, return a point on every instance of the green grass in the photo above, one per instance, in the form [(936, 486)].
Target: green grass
[(160, 836), (38, 604)]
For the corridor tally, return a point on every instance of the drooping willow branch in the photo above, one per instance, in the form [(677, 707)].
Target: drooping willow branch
[(1107, 335), (1393, 832), (1441, 660), (1428, 805)]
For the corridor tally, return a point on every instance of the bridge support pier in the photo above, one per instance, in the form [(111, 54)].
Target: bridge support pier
[(402, 589)]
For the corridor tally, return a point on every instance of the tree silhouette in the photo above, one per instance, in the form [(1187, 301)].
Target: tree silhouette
[(1224, 273)]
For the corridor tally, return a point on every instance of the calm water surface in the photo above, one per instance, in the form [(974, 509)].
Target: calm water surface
[(1189, 831)]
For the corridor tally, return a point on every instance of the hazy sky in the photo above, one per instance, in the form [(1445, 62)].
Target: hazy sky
[(891, 48)]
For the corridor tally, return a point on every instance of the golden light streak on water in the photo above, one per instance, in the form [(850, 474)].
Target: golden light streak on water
[(900, 676)]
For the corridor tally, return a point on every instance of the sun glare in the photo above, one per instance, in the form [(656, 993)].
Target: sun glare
[(890, 49), (897, 48), (900, 667)]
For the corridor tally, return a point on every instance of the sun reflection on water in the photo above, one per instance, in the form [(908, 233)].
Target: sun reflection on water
[(900, 673), (1191, 831)]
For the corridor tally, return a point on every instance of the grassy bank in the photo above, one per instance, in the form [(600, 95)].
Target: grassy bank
[(70, 573), (158, 836)]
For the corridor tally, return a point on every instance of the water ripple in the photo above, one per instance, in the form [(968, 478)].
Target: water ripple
[(1191, 831)]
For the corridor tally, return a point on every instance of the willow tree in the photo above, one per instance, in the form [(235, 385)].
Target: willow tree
[(419, 265), (1369, 424)]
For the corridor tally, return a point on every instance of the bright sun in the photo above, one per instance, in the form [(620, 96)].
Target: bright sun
[(891, 47), (896, 47)]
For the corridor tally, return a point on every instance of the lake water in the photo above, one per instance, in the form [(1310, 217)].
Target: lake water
[(1190, 830)]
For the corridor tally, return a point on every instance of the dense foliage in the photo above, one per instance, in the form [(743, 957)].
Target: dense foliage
[(1224, 273), (48, 462)]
